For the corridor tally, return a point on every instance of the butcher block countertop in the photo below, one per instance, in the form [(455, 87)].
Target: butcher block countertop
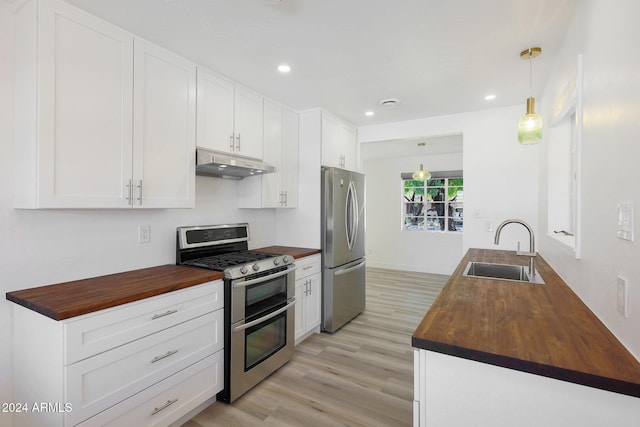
[(70, 299), (540, 329), (289, 250)]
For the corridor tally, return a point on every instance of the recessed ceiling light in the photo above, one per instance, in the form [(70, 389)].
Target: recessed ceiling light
[(490, 97), (284, 68), (369, 113)]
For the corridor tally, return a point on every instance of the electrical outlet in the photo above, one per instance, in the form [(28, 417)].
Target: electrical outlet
[(144, 234), (622, 296)]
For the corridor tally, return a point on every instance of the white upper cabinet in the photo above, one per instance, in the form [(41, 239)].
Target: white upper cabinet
[(164, 128), (279, 189), (75, 119), (230, 117), (289, 171), (74, 111), (339, 143), (215, 113)]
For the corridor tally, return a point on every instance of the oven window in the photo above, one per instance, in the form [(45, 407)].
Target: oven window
[(265, 296), (263, 340)]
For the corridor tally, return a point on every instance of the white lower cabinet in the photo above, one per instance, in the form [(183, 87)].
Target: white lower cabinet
[(308, 296), (165, 357), (165, 402)]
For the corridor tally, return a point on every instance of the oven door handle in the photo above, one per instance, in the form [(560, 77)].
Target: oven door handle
[(290, 303), (289, 269)]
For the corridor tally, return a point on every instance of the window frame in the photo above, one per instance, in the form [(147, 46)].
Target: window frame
[(425, 204)]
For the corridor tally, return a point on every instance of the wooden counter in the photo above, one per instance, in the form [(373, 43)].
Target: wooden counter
[(289, 250), (540, 329), (70, 299)]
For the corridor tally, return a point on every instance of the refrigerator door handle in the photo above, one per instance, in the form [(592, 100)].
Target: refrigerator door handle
[(351, 215), (350, 269)]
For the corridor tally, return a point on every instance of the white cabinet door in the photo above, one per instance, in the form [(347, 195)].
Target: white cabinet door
[(312, 302), (308, 289), (248, 118), (229, 117), (80, 70), (91, 132), (271, 188), (215, 112), (289, 166), (164, 128), (348, 142), (279, 189), (339, 143), (331, 153)]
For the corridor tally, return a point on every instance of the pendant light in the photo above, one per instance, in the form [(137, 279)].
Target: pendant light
[(530, 125), (421, 174)]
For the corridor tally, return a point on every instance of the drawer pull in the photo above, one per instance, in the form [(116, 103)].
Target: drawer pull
[(167, 354), (165, 406), (306, 267), (168, 312)]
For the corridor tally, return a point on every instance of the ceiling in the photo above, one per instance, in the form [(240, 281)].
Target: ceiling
[(408, 147), (436, 57)]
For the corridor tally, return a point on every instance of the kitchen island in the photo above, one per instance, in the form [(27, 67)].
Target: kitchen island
[(582, 375)]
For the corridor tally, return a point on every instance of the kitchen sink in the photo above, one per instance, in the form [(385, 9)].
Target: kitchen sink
[(516, 273)]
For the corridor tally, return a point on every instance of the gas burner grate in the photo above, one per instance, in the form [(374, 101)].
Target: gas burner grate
[(223, 261)]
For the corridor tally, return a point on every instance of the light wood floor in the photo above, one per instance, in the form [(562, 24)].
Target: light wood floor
[(360, 376)]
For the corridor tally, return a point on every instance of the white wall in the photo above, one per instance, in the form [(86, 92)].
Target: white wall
[(500, 176), (51, 246), (387, 245), (605, 33)]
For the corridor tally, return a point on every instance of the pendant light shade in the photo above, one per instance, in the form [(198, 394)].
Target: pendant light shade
[(530, 125), (421, 175)]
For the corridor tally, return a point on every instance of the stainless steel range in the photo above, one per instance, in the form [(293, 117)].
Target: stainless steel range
[(259, 291)]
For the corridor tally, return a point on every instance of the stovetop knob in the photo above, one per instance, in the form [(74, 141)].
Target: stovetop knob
[(243, 270), (276, 261), (255, 267), (286, 259)]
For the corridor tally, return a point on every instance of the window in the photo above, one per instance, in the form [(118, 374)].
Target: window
[(435, 204)]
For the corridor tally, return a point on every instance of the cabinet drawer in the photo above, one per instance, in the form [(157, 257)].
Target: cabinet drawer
[(168, 400), (97, 332), (307, 266), (102, 381)]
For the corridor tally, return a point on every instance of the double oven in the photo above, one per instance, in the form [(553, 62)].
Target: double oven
[(259, 293)]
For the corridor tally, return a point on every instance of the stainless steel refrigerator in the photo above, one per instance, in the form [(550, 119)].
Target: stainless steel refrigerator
[(343, 260)]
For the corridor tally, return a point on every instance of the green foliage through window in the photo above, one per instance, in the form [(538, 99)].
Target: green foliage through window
[(433, 205)]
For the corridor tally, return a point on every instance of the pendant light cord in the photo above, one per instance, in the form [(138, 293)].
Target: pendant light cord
[(530, 73)]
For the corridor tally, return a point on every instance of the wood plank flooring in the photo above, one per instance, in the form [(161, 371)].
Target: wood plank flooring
[(360, 376)]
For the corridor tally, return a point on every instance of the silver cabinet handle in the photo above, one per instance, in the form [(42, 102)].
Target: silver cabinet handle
[(129, 193), (140, 192), (306, 267), (166, 313), (164, 356), (231, 143), (165, 406), (291, 303), (238, 144)]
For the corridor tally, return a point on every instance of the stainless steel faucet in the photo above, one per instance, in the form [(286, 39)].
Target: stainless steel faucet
[(532, 242)]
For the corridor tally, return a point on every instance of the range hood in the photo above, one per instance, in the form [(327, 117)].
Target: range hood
[(210, 163)]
